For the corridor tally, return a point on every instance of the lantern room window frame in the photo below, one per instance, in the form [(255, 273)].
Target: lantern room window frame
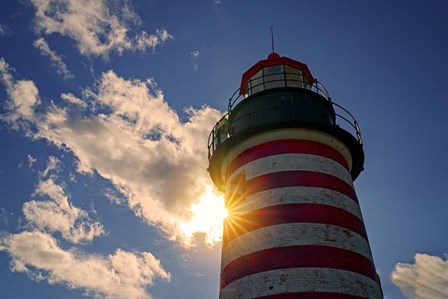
[(290, 73), (276, 76)]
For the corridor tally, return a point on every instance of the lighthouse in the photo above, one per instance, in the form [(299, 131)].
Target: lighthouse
[(286, 156)]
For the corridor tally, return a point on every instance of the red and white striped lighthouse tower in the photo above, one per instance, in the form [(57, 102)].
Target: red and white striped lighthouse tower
[(287, 166)]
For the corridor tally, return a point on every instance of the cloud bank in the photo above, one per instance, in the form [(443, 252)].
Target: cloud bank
[(132, 137), (427, 278), (119, 275), (95, 29), (36, 251)]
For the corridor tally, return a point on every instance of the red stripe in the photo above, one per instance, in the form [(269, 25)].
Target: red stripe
[(298, 178), (288, 146), (297, 257), (311, 295), (236, 225)]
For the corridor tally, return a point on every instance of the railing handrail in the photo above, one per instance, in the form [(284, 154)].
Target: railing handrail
[(352, 121), (319, 89), (316, 86)]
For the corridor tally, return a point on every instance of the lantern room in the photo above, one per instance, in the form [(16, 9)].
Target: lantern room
[(275, 72)]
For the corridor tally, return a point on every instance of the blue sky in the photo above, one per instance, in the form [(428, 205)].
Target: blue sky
[(105, 112)]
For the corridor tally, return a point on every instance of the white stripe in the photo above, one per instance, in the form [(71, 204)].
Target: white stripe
[(297, 280), (294, 234), (283, 134), (297, 195), (291, 162)]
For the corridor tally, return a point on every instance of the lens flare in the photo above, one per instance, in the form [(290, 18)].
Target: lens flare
[(208, 217)]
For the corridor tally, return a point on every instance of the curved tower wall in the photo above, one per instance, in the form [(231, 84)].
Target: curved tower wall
[(295, 228)]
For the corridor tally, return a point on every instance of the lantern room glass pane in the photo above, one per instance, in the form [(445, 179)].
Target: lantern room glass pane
[(255, 83), (274, 76), (276, 69), (294, 77)]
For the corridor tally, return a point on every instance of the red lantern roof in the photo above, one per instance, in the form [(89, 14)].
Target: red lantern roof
[(273, 60)]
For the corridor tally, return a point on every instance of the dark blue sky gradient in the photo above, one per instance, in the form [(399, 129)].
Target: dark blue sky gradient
[(385, 61)]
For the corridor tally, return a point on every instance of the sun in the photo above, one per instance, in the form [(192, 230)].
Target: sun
[(208, 217)]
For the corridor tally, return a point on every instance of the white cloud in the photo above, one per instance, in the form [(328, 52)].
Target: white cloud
[(53, 165), (23, 95), (195, 56), (426, 279), (119, 275), (70, 98), (57, 214), (128, 14), (144, 41), (42, 45), (4, 30), (3, 217), (113, 197), (5, 72), (31, 161), (93, 27)]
